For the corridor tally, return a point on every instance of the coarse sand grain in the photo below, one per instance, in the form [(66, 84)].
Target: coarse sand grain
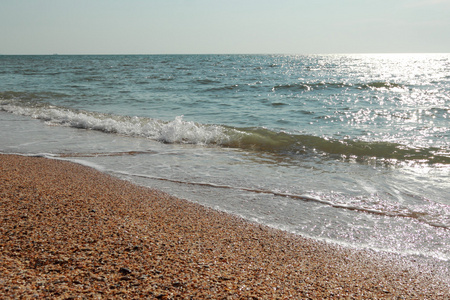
[(68, 231)]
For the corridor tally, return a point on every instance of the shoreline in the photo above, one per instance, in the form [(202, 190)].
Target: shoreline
[(69, 230)]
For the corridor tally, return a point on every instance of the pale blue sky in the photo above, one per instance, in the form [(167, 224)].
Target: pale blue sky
[(212, 26)]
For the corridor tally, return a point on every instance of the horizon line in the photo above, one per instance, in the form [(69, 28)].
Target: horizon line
[(106, 54)]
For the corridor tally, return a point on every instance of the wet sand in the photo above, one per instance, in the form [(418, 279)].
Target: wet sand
[(68, 231)]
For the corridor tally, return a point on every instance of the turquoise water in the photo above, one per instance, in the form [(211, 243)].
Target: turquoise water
[(352, 149)]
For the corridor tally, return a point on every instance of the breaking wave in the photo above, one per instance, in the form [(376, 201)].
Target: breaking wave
[(176, 131), (180, 131)]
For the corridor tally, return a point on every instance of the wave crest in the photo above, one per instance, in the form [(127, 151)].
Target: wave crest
[(307, 86), (176, 131), (261, 139), (256, 139)]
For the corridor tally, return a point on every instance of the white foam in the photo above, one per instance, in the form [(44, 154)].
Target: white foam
[(176, 131)]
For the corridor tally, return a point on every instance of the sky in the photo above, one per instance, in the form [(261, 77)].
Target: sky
[(223, 27)]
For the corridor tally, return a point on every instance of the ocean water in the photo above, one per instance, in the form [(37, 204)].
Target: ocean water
[(350, 149)]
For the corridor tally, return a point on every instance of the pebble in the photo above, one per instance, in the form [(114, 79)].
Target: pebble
[(170, 248), (125, 271)]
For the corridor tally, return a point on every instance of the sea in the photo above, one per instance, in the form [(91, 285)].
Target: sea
[(351, 149)]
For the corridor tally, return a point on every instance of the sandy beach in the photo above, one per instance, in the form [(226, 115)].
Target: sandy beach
[(69, 231)]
